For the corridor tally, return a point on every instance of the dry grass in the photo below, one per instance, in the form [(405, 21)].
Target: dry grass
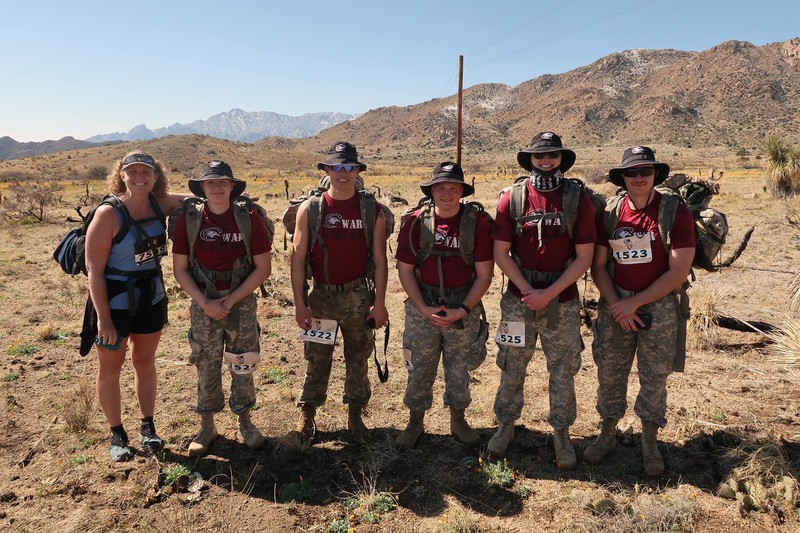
[(702, 330), (785, 347), (764, 476), (79, 410), (646, 509)]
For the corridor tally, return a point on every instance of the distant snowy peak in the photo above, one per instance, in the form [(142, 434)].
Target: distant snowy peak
[(237, 125)]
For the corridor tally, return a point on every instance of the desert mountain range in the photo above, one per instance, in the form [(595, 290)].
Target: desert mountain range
[(733, 95)]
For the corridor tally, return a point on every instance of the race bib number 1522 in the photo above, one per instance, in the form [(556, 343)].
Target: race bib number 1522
[(322, 331)]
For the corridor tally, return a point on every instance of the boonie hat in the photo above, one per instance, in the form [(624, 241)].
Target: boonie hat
[(546, 141), (638, 156), (341, 153), (138, 158), (216, 170), (447, 172)]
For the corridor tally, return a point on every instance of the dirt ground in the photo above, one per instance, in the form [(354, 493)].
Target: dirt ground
[(734, 414)]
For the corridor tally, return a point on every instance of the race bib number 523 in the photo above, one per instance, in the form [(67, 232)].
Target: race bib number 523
[(322, 331), (511, 334)]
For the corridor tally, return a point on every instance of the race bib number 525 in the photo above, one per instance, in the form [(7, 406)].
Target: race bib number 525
[(511, 334), (322, 331)]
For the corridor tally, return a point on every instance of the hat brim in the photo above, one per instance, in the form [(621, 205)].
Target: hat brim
[(196, 187), (662, 172), (137, 163), (322, 164), (426, 187), (567, 157)]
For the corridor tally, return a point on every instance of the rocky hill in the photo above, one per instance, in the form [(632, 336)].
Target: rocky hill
[(733, 95), (11, 149)]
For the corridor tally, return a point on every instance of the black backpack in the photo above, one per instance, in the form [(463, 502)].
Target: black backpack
[(71, 251)]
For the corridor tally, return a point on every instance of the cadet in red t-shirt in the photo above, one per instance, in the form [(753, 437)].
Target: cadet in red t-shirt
[(445, 284), (638, 310), (345, 295), (543, 247), (216, 271)]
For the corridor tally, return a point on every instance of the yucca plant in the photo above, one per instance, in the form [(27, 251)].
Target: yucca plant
[(783, 168)]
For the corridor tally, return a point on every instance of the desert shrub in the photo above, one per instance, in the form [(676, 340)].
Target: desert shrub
[(29, 200), (783, 168), (97, 173), (78, 412)]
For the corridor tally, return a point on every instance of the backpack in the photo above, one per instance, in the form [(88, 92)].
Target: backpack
[(241, 205), (289, 216), (70, 253), (368, 205), (571, 189), (466, 241), (710, 225)]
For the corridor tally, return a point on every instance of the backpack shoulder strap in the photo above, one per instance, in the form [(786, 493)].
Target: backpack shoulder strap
[(241, 212), (572, 196), (157, 210), (466, 240), (517, 200), (426, 218), (369, 208), (193, 207), (666, 217), (611, 214)]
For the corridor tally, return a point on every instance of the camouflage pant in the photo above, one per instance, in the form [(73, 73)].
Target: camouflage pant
[(462, 351), (613, 351), (236, 333), (562, 347), (350, 310)]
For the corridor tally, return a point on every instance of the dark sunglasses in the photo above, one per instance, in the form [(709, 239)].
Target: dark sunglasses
[(639, 171), (139, 158), (551, 155), (343, 168)]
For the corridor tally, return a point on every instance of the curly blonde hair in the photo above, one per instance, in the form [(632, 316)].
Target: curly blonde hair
[(117, 186)]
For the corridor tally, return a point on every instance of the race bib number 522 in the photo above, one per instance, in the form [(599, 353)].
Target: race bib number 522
[(511, 334), (322, 331)]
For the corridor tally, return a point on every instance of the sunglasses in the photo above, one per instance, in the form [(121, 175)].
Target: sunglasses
[(343, 168), (551, 155), (640, 171), (139, 158)]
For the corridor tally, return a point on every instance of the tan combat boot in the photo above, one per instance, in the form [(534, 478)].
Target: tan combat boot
[(605, 443), (460, 429), (305, 430), (653, 462), (250, 433), (208, 434), (408, 437), (356, 425), (565, 454), (498, 444)]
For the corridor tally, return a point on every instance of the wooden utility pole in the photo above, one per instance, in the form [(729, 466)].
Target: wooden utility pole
[(458, 113)]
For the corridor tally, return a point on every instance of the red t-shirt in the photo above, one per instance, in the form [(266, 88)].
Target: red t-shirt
[(638, 276), (342, 232), (219, 242), (557, 248), (456, 272)]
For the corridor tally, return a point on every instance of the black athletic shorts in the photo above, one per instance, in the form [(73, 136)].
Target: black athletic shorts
[(146, 320)]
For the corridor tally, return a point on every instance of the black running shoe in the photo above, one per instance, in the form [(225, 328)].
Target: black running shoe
[(120, 451), (150, 441)]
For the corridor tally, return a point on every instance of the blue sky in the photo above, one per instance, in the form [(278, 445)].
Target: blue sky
[(82, 68)]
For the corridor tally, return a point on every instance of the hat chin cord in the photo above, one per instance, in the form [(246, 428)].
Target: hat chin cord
[(546, 180)]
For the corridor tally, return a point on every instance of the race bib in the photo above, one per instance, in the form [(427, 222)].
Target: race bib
[(322, 331), (632, 250), (511, 334)]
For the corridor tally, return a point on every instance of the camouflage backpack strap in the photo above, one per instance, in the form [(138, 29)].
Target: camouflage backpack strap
[(666, 217), (466, 241), (193, 207), (241, 212), (369, 207), (426, 218), (518, 197), (315, 202), (572, 189)]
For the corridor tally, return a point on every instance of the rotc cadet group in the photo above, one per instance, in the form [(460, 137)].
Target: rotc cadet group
[(545, 235)]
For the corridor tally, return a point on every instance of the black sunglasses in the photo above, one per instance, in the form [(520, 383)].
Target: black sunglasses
[(551, 155), (139, 158), (343, 168), (638, 171)]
